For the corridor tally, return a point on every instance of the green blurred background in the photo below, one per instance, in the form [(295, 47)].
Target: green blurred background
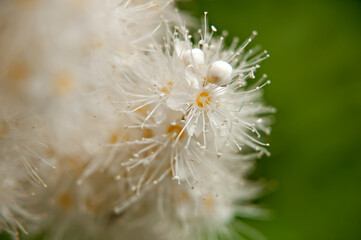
[(316, 87)]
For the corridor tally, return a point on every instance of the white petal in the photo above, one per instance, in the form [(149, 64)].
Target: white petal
[(180, 47), (160, 115), (191, 76), (178, 100), (195, 126)]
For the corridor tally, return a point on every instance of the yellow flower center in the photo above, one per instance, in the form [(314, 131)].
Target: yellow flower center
[(209, 202), (203, 99), (4, 128), (18, 72), (174, 131), (166, 89), (64, 83), (65, 201)]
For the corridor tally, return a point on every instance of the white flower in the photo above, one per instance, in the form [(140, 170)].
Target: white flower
[(205, 101), (106, 112), (205, 210), (23, 152), (213, 96), (15, 191)]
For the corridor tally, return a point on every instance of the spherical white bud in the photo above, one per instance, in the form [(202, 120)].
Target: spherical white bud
[(194, 56), (219, 72)]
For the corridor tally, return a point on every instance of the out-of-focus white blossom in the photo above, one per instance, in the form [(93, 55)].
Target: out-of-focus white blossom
[(115, 122)]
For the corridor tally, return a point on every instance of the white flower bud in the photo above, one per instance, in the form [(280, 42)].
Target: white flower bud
[(194, 56), (219, 72)]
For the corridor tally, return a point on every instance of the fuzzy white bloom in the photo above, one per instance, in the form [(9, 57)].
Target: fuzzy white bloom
[(23, 153), (115, 122), (205, 118)]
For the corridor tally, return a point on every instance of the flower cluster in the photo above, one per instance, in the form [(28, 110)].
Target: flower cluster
[(116, 122)]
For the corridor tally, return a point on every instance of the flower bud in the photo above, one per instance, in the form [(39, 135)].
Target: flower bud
[(194, 56), (219, 72)]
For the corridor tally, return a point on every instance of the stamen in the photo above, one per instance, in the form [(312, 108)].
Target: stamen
[(203, 99)]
